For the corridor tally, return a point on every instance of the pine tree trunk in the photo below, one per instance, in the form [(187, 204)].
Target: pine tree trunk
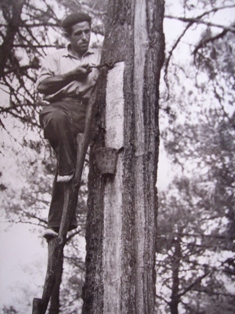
[(121, 226)]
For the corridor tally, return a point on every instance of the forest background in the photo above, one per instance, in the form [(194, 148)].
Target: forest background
[(195, 261)]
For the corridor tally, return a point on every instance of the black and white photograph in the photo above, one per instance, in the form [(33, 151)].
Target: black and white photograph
[(117, 156)]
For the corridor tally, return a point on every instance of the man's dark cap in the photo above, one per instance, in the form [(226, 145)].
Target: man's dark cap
[(75, 18)]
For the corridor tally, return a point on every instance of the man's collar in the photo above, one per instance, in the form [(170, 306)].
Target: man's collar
[(67, 52)]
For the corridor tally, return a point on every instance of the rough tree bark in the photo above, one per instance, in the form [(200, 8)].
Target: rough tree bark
[(121, 223)]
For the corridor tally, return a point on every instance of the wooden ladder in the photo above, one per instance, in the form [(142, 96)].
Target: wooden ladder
[(71, 189)]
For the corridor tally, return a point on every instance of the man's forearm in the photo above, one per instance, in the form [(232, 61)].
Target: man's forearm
[(53, 84)]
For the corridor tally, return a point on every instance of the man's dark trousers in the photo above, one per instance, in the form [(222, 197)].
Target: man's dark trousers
[(62, 120)]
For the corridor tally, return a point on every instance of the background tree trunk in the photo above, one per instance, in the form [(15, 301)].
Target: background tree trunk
[(121, 226), (12, 13), (177, 257)]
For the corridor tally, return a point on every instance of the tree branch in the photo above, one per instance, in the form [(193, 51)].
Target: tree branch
[(199, 279), (192, 21), (163, 299), (203, 43), (22, 68), (198, 20)]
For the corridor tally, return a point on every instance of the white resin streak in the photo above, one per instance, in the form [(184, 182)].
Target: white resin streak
[(140, 48), (113, 192), (114, 116)]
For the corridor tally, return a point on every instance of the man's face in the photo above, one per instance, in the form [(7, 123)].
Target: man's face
[(80, 37)]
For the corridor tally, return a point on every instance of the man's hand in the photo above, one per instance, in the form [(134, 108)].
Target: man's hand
[(81, 72)]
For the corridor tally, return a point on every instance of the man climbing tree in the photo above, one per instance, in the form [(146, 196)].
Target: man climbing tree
[(67, 81)]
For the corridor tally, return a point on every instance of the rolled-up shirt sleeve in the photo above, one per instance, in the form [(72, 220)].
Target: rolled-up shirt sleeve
[(48, 69)]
